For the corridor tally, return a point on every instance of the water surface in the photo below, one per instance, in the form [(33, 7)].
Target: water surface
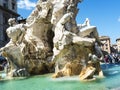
[(45, 82)]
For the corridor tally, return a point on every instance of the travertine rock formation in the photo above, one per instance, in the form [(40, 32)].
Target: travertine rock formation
[(52, 41)]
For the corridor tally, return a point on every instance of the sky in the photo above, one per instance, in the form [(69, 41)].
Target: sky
[(104, 14)]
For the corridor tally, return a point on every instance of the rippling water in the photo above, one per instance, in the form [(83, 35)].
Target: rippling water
[(45, 82)]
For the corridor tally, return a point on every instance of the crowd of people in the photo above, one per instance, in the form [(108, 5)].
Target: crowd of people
[(3, 63), (112, 58)]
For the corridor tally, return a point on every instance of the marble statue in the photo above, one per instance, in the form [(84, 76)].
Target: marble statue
[(15, 31), (51, 41)]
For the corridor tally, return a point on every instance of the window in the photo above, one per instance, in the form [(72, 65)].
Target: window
[(5, 18), (13, 6), (5, 3), (106, 45)]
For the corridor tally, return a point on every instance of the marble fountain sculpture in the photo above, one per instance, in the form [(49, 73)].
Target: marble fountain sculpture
[(51, 41)]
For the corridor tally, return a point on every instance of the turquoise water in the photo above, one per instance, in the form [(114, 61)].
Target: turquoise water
[(45, 82)]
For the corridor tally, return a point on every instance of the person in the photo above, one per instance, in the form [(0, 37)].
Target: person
[(45, 8), (3, 63), (16, 31)]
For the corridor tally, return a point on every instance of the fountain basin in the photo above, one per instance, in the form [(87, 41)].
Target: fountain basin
[(46, 82)]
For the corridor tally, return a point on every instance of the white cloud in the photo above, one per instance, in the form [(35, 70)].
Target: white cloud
[(26, 4), (119, 19)]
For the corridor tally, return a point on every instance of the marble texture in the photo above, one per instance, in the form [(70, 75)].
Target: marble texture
[(52, 41)]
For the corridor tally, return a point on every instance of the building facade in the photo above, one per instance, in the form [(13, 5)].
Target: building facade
[(118, 44), (8, 9), (105, 40)]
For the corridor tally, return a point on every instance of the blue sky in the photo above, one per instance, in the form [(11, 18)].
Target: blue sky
[(105, 14)]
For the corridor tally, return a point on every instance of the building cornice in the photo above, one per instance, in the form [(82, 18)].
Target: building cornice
[(117, 39), (9, 11), (104, 37)]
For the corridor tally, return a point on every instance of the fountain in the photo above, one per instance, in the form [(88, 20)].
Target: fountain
[(52, 52), (45, 82), (51, 41)]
